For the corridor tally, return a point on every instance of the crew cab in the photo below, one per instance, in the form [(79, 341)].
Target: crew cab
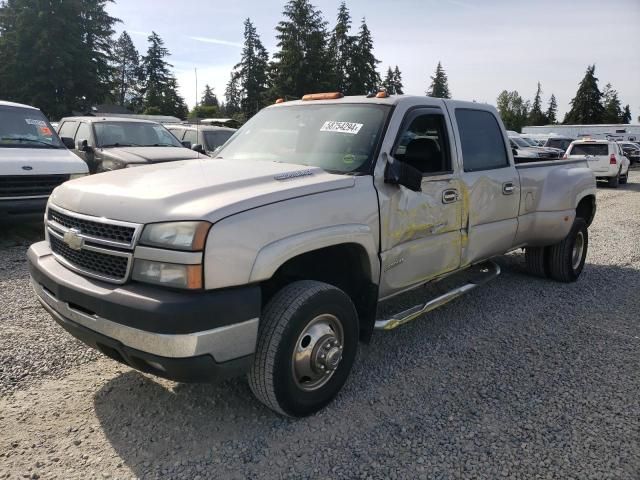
[(33, 161), (272, 258), (112, 143), (604, 157)]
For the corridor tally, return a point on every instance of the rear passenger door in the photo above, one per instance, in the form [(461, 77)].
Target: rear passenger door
[(490, 183)]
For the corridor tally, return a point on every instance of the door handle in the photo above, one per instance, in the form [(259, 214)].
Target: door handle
[(450, 196), (508, 188)]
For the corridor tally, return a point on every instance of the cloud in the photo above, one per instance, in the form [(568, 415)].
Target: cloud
[(217, 41)]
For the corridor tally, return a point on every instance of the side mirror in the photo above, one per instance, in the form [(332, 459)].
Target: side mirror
[(83, 146), (68, 142), (400, 173), (198, 148), (186, 144)]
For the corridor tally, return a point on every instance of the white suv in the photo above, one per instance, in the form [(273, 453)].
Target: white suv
[(605, 158)]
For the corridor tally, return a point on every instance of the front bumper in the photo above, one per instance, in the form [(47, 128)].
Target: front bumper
[(183, 336), (22, 209)]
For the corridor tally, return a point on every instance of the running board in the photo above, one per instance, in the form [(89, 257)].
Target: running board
[(488, 271)]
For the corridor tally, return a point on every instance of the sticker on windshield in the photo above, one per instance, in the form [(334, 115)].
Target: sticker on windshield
[(341, 127), (39, 123)]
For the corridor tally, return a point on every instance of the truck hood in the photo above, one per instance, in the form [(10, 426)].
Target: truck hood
[(192, 190), (149, 154), (40, 161)]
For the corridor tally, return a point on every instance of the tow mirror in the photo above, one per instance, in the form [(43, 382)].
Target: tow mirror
[(198, 148), (186, 144), (83, 146), (68, 142), (400, 173)]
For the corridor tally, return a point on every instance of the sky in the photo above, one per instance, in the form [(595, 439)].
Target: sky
[(485, 46)]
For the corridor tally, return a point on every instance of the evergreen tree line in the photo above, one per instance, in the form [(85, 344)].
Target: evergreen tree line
[(61, 56), (589, 106)]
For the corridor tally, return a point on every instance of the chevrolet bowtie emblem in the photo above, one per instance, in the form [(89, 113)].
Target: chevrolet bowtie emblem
[(73, 239)]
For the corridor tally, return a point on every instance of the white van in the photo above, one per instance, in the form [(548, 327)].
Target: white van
[(33, 161), (605, 158)]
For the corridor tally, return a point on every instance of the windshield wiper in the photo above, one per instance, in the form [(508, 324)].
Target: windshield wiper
[(26, 139), (161, 145), (122, 145)]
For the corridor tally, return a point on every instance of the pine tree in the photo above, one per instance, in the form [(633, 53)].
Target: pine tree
[(365, 76), (209, 99), (397, 81), (52, 56), (252, 72), (439, 84), (536, 117), (626, 114), (513, 110), (586, 106), (341, 46), (127, 65), (161, 87), (552, 110), (301, 65), (611, 104), (233, 96)]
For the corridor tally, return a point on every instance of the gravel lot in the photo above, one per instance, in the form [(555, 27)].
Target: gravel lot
[(522, 378)]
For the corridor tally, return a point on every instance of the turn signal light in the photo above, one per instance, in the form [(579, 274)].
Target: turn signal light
[(612, 159), (323, 96)]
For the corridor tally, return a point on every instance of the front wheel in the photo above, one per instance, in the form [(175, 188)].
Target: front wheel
[(307, 343), (566, 259)]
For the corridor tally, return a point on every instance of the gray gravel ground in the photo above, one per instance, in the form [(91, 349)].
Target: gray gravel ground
[(522, 378)]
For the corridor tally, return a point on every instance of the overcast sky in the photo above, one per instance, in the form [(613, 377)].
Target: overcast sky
[(485, 46)]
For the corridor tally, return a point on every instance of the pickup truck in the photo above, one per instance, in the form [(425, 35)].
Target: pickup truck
[(271, 259)]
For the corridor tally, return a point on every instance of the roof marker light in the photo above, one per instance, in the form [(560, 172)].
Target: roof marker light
[(323, 96)]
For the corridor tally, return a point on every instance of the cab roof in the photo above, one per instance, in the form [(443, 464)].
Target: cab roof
[(107, 119), (4, 103), (392, 100)]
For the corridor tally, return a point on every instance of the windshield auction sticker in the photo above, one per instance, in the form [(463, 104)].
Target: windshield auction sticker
[(341, 127)]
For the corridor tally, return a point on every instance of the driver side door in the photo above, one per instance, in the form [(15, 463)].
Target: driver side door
[(420, 231)]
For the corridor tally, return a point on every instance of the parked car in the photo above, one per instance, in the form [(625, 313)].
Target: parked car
[(272, 260), (110, 143), (536, 143), (202, 138), (631, 151), (559, 142), (33, 161), (605, 158), (523, 150)]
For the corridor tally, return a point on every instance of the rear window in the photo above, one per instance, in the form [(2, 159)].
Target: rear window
[(558, 143), (592, 149), (481, 139)]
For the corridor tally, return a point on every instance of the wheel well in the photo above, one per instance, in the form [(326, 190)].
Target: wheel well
[(587, 209), (345, 266)]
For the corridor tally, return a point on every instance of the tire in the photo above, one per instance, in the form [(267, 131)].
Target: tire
[(613, 182), (566, 259), (536, 261), (624, 178), (302, 317)]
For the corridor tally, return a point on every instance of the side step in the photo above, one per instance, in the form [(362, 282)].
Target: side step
[(487, 271)]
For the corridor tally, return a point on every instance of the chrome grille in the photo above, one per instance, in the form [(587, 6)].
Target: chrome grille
[(93, 246)]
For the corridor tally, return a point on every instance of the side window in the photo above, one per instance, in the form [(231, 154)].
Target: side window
[(68, 129), (191, 136), (481, 140), (84, 133), (178, 132), (423, 144)]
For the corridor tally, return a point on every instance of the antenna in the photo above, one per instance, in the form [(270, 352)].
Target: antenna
[(196, 109)]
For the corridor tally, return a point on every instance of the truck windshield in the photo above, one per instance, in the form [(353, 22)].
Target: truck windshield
[(133, 134), (519, 142), (338, 138), (26, 128)]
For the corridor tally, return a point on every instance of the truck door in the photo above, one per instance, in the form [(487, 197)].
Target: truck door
[(420, 231), (490, 183)]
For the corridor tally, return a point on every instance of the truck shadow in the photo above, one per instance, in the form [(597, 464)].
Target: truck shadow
[(441, 365)]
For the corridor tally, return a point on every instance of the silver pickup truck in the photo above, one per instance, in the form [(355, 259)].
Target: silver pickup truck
[(272, 258)]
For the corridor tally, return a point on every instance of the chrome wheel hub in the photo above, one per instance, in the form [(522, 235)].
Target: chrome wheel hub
[(578, 249), (318, 352)]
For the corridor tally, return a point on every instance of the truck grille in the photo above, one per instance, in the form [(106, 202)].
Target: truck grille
[(98, 230), (30, 185), (101, 264), (92, 246)]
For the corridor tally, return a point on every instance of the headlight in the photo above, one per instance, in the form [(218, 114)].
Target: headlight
[(176, 235), (168, 274), (77, 175)]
